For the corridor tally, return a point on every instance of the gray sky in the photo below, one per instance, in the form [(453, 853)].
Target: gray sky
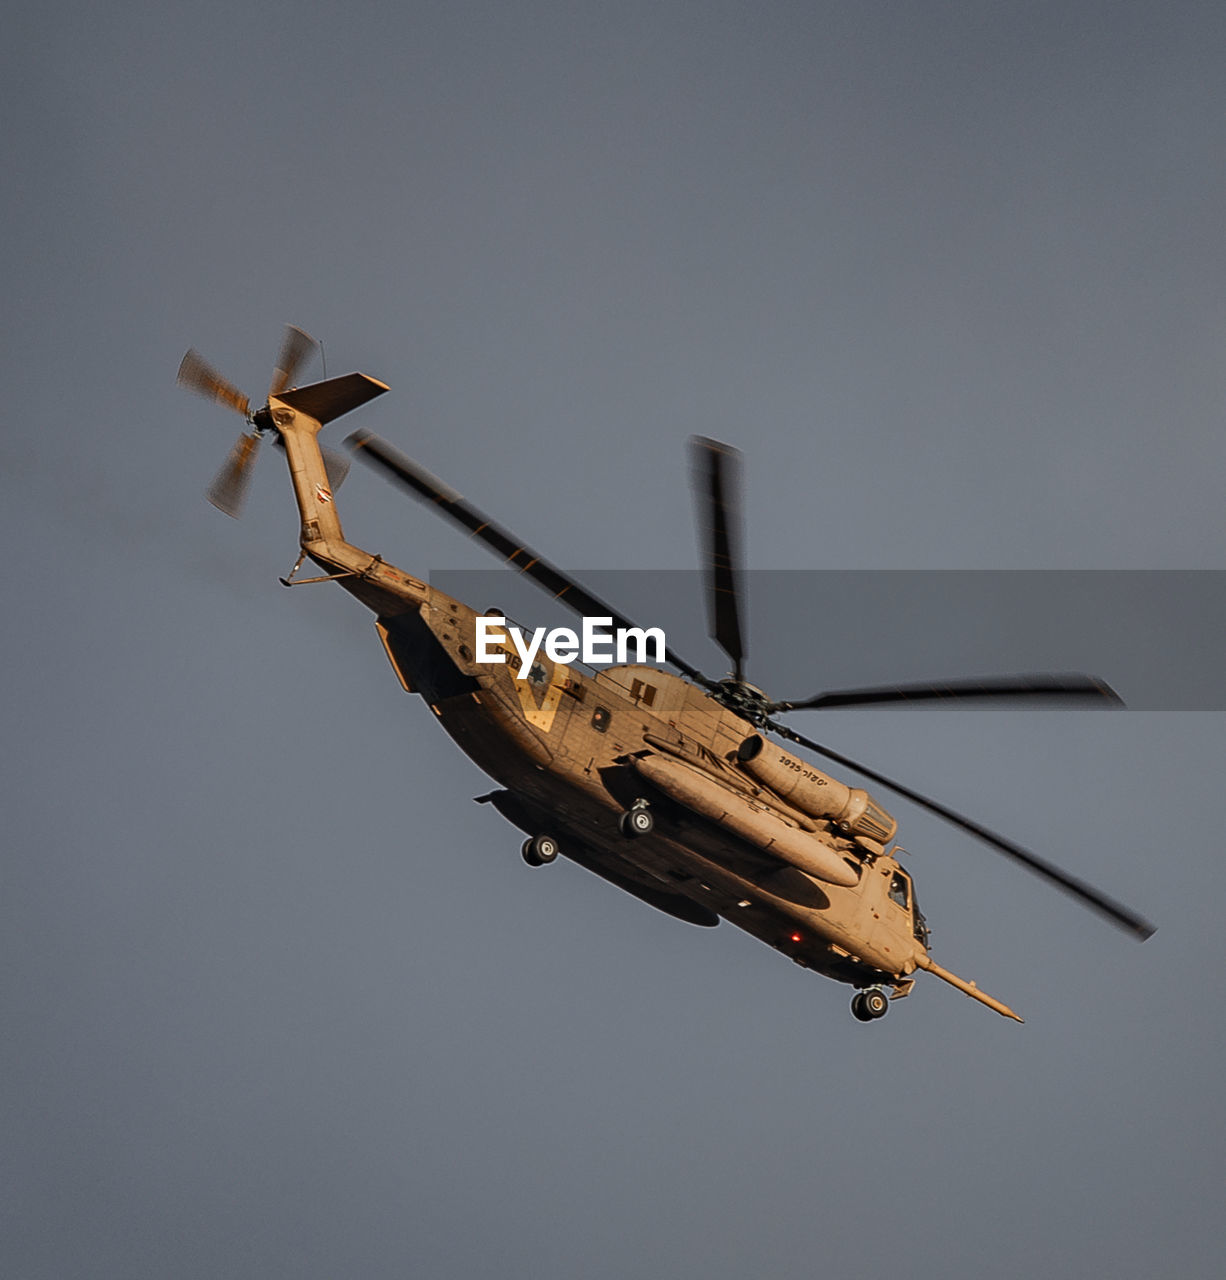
[(277, 998)]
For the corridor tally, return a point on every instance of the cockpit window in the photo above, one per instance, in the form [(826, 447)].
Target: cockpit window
[(900, 890)]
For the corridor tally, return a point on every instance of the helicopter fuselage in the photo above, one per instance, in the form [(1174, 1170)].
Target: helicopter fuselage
[(577, 751)]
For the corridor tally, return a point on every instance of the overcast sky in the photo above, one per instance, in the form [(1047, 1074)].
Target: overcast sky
[(276, 998)]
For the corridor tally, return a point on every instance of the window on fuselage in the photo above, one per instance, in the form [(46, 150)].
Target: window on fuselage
[(642, 692), (900, 890)]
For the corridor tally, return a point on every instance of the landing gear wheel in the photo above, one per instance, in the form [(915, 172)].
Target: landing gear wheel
[(875, 1003), (858, 1010), (539, 851), (636, 822)]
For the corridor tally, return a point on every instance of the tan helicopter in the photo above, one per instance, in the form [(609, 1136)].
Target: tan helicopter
[(666, 786)]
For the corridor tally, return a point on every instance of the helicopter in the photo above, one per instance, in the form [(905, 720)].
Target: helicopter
[(670, 785)]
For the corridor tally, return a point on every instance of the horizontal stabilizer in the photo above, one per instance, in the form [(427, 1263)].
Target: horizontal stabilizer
[(325, 401)]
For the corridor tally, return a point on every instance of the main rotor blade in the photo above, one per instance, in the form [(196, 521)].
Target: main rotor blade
[(1063, 689), (717, 496), (336, 466), (336, 463), (1096, 900), (228, 492), (198, 375), (419, 482), (296, 348)]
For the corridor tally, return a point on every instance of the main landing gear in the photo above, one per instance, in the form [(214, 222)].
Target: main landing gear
[(636, 821), (868, 1006), (539, 851)]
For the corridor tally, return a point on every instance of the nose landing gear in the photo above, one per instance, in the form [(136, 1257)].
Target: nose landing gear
[(868, 1006)]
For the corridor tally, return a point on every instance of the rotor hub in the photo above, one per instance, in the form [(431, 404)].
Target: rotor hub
[(743, 699)]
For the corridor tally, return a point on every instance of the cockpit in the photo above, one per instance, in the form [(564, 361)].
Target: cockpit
[(902, 892)]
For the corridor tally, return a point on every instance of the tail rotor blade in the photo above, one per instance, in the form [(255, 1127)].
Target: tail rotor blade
[(228, 491), (196, 374), (296, 349)]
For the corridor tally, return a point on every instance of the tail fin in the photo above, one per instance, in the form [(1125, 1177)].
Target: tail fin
[(325, 401)]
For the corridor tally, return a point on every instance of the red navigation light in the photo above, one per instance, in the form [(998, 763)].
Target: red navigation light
[(795, 937)]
